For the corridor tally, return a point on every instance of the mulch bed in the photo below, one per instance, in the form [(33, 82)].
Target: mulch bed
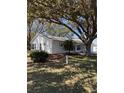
[(52, 58), (56, 57)]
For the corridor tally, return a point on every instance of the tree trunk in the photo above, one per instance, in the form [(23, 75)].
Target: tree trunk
[(29, 39), (88, 49)]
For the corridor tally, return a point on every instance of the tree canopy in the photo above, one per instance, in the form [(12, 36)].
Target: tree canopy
[(79, 16), (55, 29)]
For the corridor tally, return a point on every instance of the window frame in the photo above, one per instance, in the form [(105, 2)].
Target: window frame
[(78, 47), (33, 46)]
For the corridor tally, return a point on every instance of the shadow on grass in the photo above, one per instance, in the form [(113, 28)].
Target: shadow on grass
[(75, 77), (51, 83)]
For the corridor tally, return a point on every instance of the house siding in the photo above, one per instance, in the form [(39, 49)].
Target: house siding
[(46, 44), (56, 47), (37, 41), (93, 49)]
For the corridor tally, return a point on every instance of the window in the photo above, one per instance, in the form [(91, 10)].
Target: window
[(60, 44), (40, 46), (33, 46), (78, 47)]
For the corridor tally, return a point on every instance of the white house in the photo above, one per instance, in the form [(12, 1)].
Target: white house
[(53, 45)]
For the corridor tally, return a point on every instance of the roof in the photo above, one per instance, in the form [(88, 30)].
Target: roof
[(77, 40), (55, 38)]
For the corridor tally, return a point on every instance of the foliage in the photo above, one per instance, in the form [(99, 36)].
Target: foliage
[(39, 56), (56, 30), (79, 16), (68, 45)]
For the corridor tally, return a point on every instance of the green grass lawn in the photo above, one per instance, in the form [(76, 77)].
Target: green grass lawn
[(79, 76)]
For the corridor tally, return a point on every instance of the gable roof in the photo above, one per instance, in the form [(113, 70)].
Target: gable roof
[(34, 37), (57, 38), (49, 37), (54, 38)]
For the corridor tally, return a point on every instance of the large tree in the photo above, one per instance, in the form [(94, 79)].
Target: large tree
[(79, 16)]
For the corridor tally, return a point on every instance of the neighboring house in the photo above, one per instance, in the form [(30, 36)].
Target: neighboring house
[(54, 45)]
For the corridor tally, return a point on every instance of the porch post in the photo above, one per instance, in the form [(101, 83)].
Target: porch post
[(66, 59)]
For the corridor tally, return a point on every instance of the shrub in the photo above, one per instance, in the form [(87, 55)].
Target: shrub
[(39, 56), (68, 45)]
